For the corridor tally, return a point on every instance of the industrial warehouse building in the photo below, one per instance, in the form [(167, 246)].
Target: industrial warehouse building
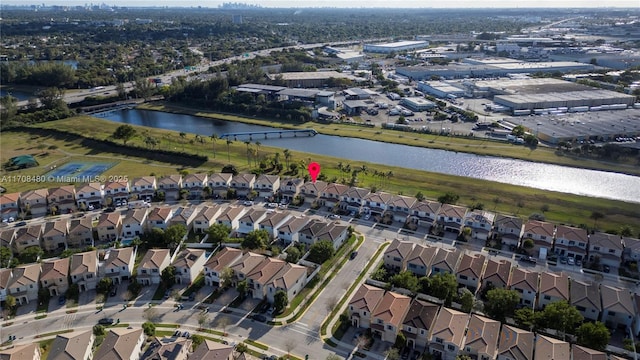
[(573, 101), (314, 79), (417, 104), (440, 89), (309, 96), (387, 48), (492, 67)]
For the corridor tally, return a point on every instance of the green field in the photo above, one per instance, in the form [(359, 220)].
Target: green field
[(511, 199)]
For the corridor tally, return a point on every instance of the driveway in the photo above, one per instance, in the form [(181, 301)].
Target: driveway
[(226, 297)]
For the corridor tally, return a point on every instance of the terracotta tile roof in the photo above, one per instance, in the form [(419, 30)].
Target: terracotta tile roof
[(80, 225), (606, 241), (317, 188), (497, 271), (453, 211), (89, 187), (428, 207), (554, 284), (366, 298), (56, 228), (571, 233), (539, 228), (154, 258), (399, 248), (392, 308), (60, 193), (584, 294), (516, 343), (195, 178), (116, 185), (524, 279), (143, 181), (450, 326), (169, 180), (25, 274), (109, 219), (208, 213), (267, 179), (274, 218), (583, 353), (20, 352), (293, 225), (231, 213), (446, 259), (243, 179), (5, 276), (551, 349), (119, 257), (220, 178), (402, 201), (421, 315), (9, 198), (287, 276), (616, 299), (55, 269), (247, 263), (266, 270), (422, 254), (135, 216), (71, 346), (160, 213), (211, 350), (82, 263), (188, 257), (252, 216), (37, 194), (482, 335), (223, 258), (471, 265), (29, 232), (379, 197), (119, 344), (335, 189)]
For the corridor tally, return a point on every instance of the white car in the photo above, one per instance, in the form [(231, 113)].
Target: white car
[(367, 216), (334, 216), (248, 203), (272, 205)]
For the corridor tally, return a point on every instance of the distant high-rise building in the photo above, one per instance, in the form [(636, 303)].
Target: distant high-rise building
[(237, 19)]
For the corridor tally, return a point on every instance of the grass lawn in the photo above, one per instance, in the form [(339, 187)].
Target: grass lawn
[(45, 347), (503, 198), (159, 294)]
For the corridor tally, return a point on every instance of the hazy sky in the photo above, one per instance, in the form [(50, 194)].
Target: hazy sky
[(354, 3)]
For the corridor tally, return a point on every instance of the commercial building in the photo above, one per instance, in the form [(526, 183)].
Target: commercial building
[(397, 46), (441, 89), (314, 79), (417, 103)]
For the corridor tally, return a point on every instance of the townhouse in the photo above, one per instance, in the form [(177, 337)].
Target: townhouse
[(582, 353), (174, 348), (470, 271), (335, 232), (571, 242), (618, 309), (159, 217), (143, 188), (480, 222), (376, 203), (418, 322), (290, 188), (62, 200), (330, 195), (83, 270), (169, 187), (451, 217), (212, 350), (288, 232), (133, 223), (420, 259), (509, 229), (7, 237), (272, 222), (55, 276), (541, 233), (448, 333), (586, 298), (549, 348), (482, 338), (267, 185), (80, 232), (22, 352), (397, 254), (387, 316), (260, 275), (250, 221), (230, 217), (291, 278), (189, 264), (34, 202), (77, 345), (214, 267), (27, 236), (23, 283), (631, 250), (445, 261), (496, 274), (5, 276), (184, 216), (245, 265), (90, 196), (109, 226), (243, 184), (219, 184), (121, 343), (206, 217), (515, 344), (526, 283), (353, 199), (54, 235), (149, 270), (606, 247), (116, 192), (118, 264), (362, 304), (195, 184), (425, 213), (10, 206), (400, 207), (553, 287)]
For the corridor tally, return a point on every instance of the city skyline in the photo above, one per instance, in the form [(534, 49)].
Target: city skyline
[(458, 4)]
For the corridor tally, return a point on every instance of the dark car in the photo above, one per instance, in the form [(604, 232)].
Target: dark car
[(529, 259), (177, 333), (353, 255), (114, 291), (62, 300), (21, 223), (259, 317), (606, 268), (105, 321)]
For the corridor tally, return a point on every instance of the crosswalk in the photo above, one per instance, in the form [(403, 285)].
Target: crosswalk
[(67, 322), (302, 328)]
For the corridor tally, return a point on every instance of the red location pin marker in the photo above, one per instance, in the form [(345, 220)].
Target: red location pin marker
[(314, 170)]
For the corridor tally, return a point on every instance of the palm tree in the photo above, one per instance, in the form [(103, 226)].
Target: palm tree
[(389, 175), (248, 159), (183, 136), (364, 170), (258, 144), (341, 168), (214, 137), (229, 142), (287, 156)]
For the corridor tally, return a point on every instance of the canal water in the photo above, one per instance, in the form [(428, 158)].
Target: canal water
[(510, 171)]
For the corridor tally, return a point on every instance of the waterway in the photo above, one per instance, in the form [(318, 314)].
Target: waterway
[(510, 171)]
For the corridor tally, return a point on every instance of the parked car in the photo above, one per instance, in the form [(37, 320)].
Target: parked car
[(353, 255), (62, 300), (186, 334), (571, 261), (114, 291), (248, 203), (21, 223), (105, 321), (606, 268), (529, 259), (367, 216), (259, 317), (334, 216), (177, 333), (578, 262)]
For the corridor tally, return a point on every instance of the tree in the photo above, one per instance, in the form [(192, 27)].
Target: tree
[(463, 357), (595, 216), (203, 318), (169, 276), (143, 88), (593, 335), (401, 341), (174, 234), (420, 196), (5, 257), (561, 316), (242, 288), (466, 300), (218, 233), (196, 340), (9, 108), (525, 318), (449, 198), (392, 354), (104, 285), (229, 142), (229, 169), (406, 280), (223, 323), (149, 328), (280, 301), (443, 286), (52, 98), (98, 330), (242, 348), (256, 239), (10, 302), (124, 133), (31, 254), (226, 276), (321, 251), (214, 138), (293, 254), (518, 131), (501, 303)]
